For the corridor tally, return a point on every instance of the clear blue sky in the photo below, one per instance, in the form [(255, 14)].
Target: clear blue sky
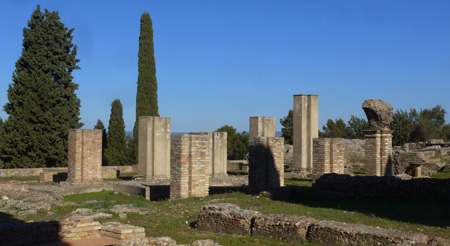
[(220, 62)]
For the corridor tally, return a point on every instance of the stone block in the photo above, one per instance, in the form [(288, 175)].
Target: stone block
[(262, 126), (305, 129), (285, 227), (154, 147)]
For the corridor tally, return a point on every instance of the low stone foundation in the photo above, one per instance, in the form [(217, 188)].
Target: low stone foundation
[(230, 219)]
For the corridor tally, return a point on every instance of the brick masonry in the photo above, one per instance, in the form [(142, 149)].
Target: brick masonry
[(378, 152), (85, 156), (328, 155), (190, 160), (266, 163)]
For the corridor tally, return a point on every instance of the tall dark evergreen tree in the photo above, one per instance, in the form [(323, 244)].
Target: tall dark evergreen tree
[(147, 97), (116, 149), (100, 126), (287, 130), (42, 103)]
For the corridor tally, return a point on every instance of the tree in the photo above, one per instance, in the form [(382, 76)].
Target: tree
[(355, 127), (287, 130), (146, 97), (115, 152), (334, 129), (100, 126), (429, 124), (42, 103), (402, 124)]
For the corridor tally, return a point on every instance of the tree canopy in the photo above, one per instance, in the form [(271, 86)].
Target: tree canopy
[(116, 149), (42, 103)]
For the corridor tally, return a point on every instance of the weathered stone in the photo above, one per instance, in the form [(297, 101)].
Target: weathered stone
[(379, 114), (328, 155), (279, 226)]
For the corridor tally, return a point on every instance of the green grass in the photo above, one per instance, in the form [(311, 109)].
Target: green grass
[(441, 175), (302, 182), (173, 218)]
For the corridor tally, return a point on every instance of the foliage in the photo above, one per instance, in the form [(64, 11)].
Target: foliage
[(146, 97), (100, 126), (42, 103), (415, 126), (237, 144), (130, 157), (334, 129), (287, 130), (115, 152), (355, 127)]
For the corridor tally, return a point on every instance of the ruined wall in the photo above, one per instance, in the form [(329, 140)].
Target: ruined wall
[(85, 156), (190, 160), (266, 163), (328, 155)]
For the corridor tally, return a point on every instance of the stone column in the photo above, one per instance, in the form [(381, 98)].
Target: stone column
[(328, 155), (85, 156), (262, 126), (305, 128), (266, 163), (190, 159), (154, 147), (378, 152), (218, 165)]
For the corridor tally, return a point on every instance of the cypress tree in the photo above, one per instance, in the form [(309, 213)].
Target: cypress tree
[(115, 152), (100, 126), (42, 103), (147, 97)]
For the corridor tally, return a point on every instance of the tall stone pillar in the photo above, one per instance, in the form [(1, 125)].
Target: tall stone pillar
[(154, 147), (85, 156), (262, 126), (306, 127), (218, 155), (190, 159), (266, 163)]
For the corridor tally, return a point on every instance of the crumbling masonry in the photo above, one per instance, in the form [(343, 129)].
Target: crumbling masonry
[(328, 156)]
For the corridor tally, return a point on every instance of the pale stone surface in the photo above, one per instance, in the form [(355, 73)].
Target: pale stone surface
[(379, 114), (154, 147), (306, 127), (85, 156), (218, 154), (262, 126)]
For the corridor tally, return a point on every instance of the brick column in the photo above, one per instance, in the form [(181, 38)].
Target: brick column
[(305, 128), (190, 159), (262, 126), (378, 152), (154, 147), (328, 155), (85, 156), (266, 163)]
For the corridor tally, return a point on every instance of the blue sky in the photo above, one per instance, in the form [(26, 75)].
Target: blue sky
[(220, 62)]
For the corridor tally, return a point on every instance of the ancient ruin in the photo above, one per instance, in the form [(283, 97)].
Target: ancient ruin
[(85, 156), (378, 138), (266, 163), (190, 160), (328, 156), (218, 153), (154, 147), (262, 126), (306, 127)]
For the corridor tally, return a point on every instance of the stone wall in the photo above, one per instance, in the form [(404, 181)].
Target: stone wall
[(218, 154), (190, 159), (154, 147), (230, 219), (85, 156), (386, 186), (328, 155), (305, 128), (266, 163)]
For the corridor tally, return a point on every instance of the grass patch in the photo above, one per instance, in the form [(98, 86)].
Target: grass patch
[(298, 182), (441, 175), (20, 178)]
